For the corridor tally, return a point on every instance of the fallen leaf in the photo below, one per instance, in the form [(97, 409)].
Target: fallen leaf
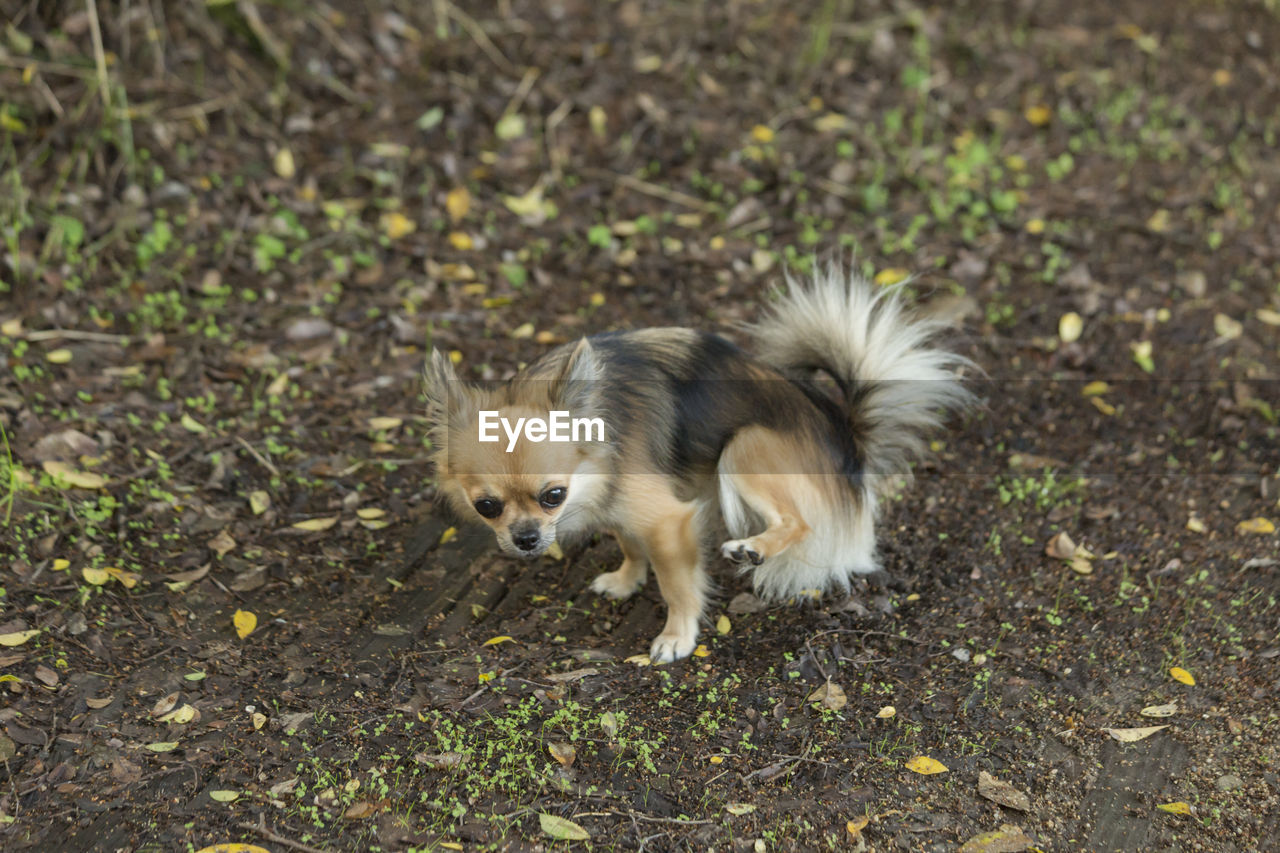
[(1175, 808), (58, 356), (370, 512), (97, 703), (457, 203), (1095, 389), (740, 808), (396, 225), (1038, 115), (448, 534), (1226, 328), (1195, 525), (854, 827), (999, 791), (162, 746), (259, 501), (64, 475), (233, 847), (1166, 710), (245, 622), (1158, 221), (284, 165), (97, 577), (182, 715), (461, 240), (224, 796), (439, 761), (258, 719), (762, 134), (563, 753), (554, 551), (701, 651), (362, 809), (1006, 839), (723, 625), (523, 331), (1061, 546), (192, 425), (925, 765), (384, 423), (1256, 525), (222, 544), (1135, 734), (1179, 674), (888, 712), (1070, 327), (561, 829), (639, 660), (165, 704), (891, 276), (1142, 355), (1103, 406), (609, 723), (17, 638), (493, 641), (315, 525), (1271, 318), (830, 695)]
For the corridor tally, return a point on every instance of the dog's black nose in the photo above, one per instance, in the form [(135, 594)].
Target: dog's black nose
[(526, 540)]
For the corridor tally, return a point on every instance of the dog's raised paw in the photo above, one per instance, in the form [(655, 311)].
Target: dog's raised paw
[(614, 585), (740, 551), (671, 647)]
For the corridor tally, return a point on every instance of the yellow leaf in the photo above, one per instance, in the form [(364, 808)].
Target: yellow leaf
[(1038, 114), (1256, 525), (461, 240), (564, 753), (1179, 674), (64, 475), (370, 512), (1103, 406), (1135, 734), (284, 165), (17, 638), (127, 579), (384, 423), (259, 720), (762, 134), (925, 765), (716, 759), (639, 660), (701, 651), (315, 525), (448, 534), (245, 622), (396, 225), (493, 641), (1159, 221), (12, 328), (1227, 328), (1175, 808), (60, 565), (830, 123), (597, 299), (457, 203), (1034, 226), (723, 625), (163, 746), (97, 577), (233, 847), (855, 827), (1195, 525), (555, 552), (58, 356), (259, 501), (740, 808), (1070, 327), (891, 276), (1095, 389), (184, 714), (1271, 318), (529, 204), (887, 712)]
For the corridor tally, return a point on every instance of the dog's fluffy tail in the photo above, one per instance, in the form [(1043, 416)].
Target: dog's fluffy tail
[(896, 384)]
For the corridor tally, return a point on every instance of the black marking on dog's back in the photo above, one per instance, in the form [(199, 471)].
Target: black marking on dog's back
[(689, 397)]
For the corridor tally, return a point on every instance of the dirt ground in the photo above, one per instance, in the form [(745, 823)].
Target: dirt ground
[(232, 611)]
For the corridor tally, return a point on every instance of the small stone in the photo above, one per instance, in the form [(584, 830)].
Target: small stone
[(1228, 782)]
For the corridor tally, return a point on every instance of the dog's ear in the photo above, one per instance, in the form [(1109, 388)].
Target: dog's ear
[(574, 389), (447, 395)]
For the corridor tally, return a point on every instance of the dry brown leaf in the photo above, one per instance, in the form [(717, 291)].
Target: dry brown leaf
[(564, 753), (1134, 734), (1061, 546), (1007, 839), (830, 695), (999, 791)]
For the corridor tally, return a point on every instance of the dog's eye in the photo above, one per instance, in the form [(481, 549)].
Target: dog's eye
[(488, 507), (552, 498)]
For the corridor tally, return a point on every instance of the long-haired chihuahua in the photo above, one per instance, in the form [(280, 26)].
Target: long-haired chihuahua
[(649, 434)]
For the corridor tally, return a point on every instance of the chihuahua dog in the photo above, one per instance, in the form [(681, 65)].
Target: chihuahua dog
[(792, 447)]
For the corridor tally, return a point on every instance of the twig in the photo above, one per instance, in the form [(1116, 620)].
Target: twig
[(478, 35), (262, 830), (99, 55), (262, 460), (634, 183), (77, 335)]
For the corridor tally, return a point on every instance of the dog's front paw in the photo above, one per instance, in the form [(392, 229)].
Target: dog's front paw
[(671, 647), (741, 551), (616, 585)]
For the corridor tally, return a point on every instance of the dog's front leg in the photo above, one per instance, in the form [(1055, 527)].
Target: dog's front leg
[(626, 580), (675, 549)]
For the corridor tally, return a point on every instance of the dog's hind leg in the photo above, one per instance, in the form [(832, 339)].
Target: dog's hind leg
[(769, 475)]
